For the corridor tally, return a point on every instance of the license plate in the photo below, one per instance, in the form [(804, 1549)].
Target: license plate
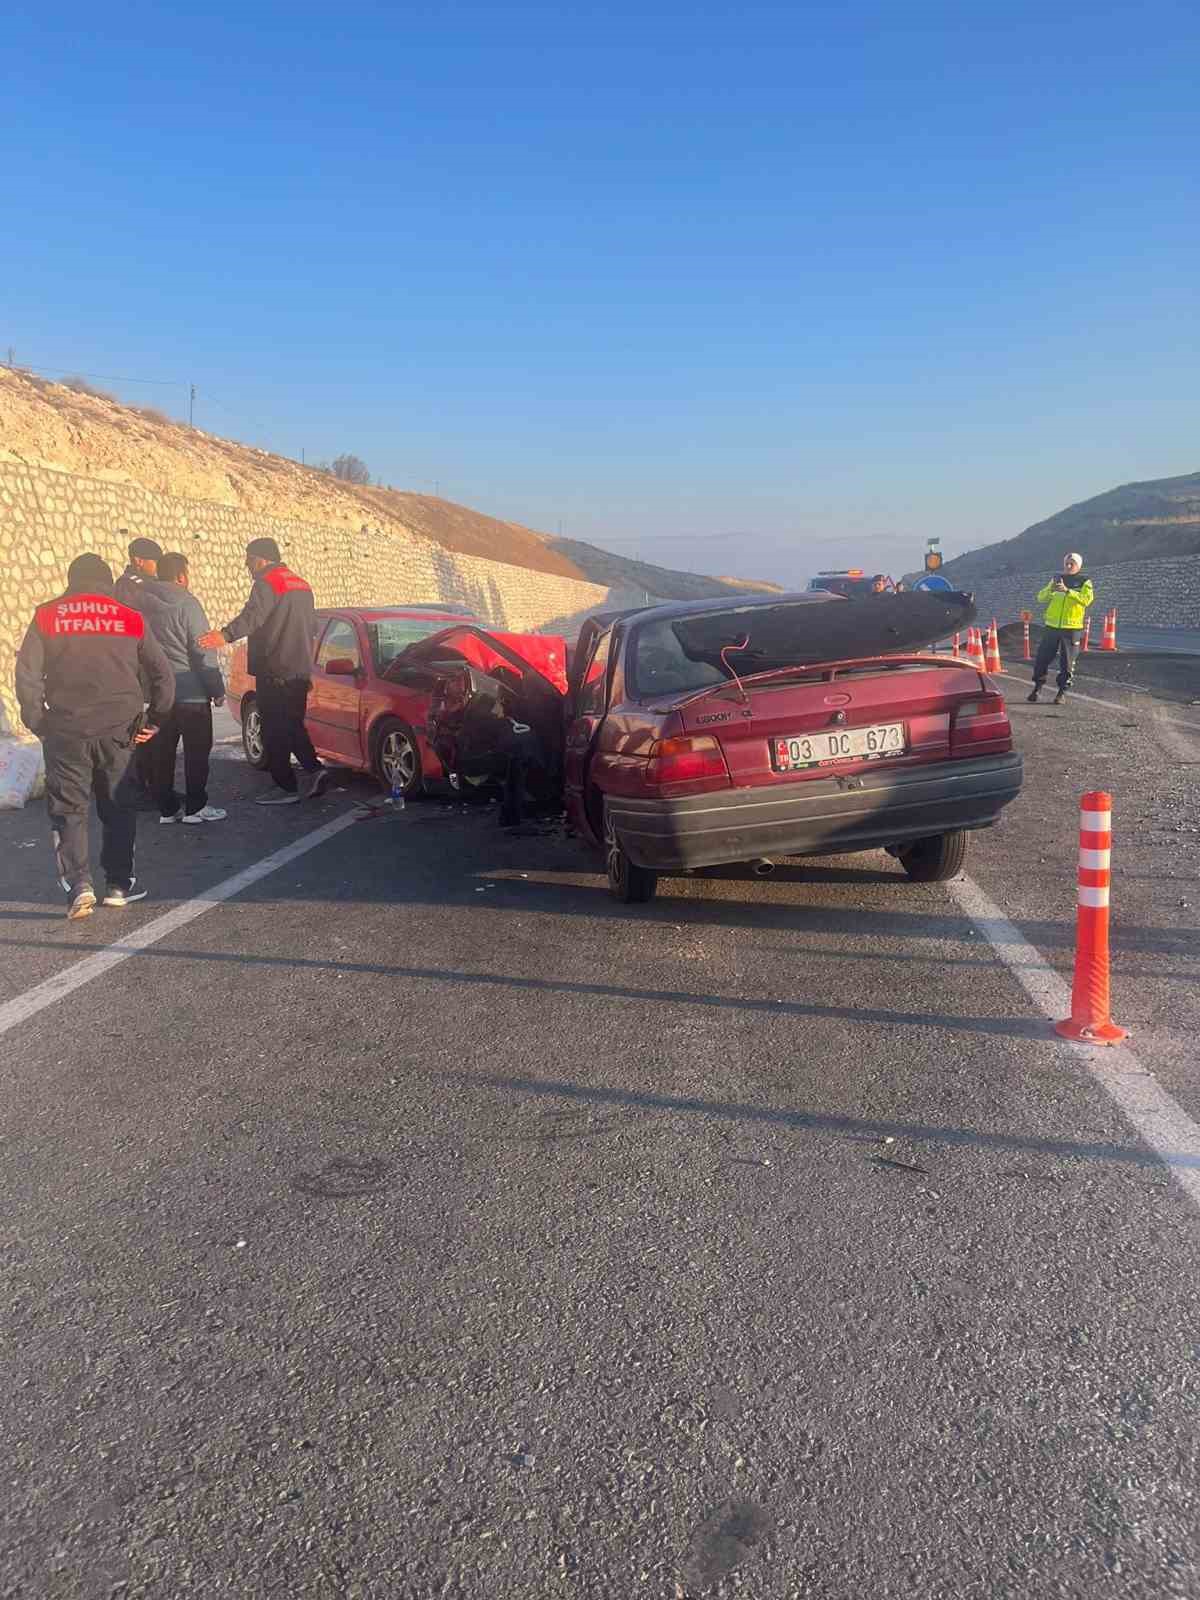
[(834, 745)]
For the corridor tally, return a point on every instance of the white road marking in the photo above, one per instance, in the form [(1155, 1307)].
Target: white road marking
[(1156, 1119), (1109, 705), (23, 1006)]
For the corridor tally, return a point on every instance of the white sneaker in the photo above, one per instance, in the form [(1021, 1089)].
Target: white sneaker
[(178, 817), (119, 898), (206, 814)]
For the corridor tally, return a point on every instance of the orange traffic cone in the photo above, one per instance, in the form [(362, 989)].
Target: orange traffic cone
[(1091, 1021), (975, 649), (993, 648), (1109, 642), (957, 652)]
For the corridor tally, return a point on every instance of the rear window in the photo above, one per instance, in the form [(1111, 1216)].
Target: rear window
[(660, 666), (393, 634)]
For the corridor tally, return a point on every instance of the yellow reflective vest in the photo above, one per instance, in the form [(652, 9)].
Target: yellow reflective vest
[(1066, 610)]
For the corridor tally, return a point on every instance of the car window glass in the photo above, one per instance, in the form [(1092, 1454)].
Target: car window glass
[(591, 690), (390, 635), (660, 666), (339, 644)]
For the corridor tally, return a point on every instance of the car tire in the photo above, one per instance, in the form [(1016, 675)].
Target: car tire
[(254, 746), (627, 882), (394, 743), (936, 859)]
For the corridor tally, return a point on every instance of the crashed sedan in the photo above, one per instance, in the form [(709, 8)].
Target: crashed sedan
[(791, 725)]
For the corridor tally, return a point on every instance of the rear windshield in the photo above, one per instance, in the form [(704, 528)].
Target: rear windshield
[(848, 588), (393, 634), (660, 666)]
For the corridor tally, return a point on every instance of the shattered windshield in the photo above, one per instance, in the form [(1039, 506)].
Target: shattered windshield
[(393, 634)]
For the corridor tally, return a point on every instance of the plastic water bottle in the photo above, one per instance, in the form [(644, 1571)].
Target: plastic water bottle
[(397, 795)]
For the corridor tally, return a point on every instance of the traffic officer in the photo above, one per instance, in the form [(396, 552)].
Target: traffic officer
[(1066, 599), (280, 623), (79, 677)]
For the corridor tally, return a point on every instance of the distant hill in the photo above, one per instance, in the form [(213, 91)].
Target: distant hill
[(75, 428), (1137, 522)]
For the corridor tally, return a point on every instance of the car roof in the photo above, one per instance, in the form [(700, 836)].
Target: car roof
[(382, 613)]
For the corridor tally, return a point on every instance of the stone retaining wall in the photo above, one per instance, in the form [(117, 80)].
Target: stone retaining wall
[(1146, 593), (47, 518)]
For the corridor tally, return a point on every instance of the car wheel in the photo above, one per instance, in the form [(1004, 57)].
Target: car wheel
[(397, 754), (627, 882), (253, 745), (934, 860)]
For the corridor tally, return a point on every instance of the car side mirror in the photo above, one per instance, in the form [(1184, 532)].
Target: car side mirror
[(341, 667)]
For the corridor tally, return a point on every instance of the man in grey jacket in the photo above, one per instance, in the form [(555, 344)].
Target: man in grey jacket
[(177, 620)]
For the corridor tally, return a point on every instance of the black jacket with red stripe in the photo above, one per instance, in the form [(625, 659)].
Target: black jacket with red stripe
[(81, 666), (280, 623)]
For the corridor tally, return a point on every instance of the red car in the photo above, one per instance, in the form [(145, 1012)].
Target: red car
[(782, 726), (367, 709)]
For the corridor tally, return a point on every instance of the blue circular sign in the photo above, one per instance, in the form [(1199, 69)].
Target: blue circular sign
[(932, 582)]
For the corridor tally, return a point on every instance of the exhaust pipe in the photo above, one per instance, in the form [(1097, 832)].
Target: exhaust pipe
[(762, 868)]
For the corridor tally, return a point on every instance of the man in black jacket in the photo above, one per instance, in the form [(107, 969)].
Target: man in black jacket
[(177, 621), (280, 623), (143, 564), (79, 680)]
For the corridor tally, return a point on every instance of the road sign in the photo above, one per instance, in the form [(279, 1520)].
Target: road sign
[(933, 583)]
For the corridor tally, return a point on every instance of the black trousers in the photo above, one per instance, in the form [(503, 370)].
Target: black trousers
[(1060, 642), (191, 721), (281, 706), (75, 770)]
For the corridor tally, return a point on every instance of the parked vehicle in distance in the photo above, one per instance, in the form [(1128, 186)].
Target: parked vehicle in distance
[(699, 735), (852, 583)]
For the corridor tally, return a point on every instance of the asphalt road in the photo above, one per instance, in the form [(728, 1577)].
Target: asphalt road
[(418, 1222), (1169, 641)]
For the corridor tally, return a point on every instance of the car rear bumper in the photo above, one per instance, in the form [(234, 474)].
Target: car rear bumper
[(825, 816)]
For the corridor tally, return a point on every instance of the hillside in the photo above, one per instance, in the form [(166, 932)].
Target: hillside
[(1137, 522), (50, 425)]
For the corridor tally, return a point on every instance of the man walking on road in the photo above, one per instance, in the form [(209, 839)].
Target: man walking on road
[(177, 620), (1066, 599), (280, 623), (79, 680)]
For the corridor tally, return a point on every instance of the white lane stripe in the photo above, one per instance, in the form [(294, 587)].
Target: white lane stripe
[(1088, 896), (1110, 705), (1156, 1119), (23, 1006), (1095, 860)]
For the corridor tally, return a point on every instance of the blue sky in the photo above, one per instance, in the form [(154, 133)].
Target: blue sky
[(755, 289)]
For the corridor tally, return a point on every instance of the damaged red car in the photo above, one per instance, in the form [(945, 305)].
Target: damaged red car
[(696, 735)]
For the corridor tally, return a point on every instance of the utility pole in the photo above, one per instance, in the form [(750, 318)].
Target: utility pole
[(191, 402), (302, 460), (11, 355)]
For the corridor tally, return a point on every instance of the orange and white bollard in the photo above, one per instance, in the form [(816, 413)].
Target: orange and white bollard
[(993, 648), (1109, 642), (1091, 1021), (1025, 641), (1087, 634), (957, 652)]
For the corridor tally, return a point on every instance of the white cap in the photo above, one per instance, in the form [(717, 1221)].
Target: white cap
[(1073, 555)]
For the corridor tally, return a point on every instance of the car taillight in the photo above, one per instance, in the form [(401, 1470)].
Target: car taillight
[(978, 723), (687, 766)]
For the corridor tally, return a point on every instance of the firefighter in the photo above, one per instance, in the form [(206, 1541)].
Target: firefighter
[(1066, 599), (79, 677), (280, 623)]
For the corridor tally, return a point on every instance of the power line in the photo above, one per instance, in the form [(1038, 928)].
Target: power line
[(105, 377)]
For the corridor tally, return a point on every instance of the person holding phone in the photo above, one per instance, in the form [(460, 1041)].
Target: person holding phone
[(1066, 598)]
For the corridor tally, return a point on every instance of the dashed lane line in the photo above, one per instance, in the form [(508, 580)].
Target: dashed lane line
[(1157, 1120), (23, 1006)]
